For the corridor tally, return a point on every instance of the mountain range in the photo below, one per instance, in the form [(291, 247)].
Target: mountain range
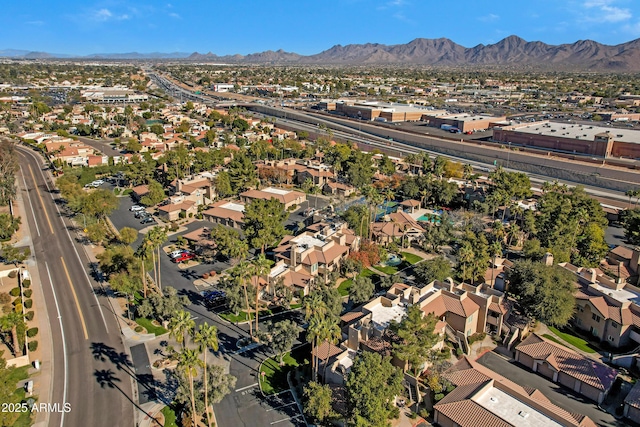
[(513, 52)]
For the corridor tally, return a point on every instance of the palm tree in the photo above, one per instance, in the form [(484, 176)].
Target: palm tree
[(313, 334), (207, 337), (261, 267), (143, 255), (495, 249), (11, 322), (329, 333), (156, 236), (188, 362), (180, 325), (467, 171), (245, 274), (465, 257), (314, 305)]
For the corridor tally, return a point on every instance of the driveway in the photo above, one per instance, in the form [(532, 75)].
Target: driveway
[(559, 395)]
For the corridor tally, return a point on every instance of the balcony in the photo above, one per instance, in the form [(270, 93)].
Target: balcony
[(635, 336)]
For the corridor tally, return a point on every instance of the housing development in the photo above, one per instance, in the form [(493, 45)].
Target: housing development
[(197, 243)]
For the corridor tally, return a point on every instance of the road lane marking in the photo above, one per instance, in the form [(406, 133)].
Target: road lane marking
[(246, 388), (64, 345), (44, 208), (104, 321), (75, 297), (26, 189), (280, 407), (286, 419)]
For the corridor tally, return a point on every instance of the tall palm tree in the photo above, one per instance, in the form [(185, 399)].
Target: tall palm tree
[(261, 267), (189, 362), (207, 338), (244, 274), (495, 248), (11, 322), (157, 236), (329, 333), (314, 305), (313, 334), (180, 325), (143, 255), (465, 257)]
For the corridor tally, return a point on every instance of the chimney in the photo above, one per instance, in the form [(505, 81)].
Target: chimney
[(548, 259), (294, 255), (635, 258), (592, 275), (450, 282)]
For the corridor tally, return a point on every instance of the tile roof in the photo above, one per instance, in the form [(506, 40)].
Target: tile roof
[(464, 307), (571, 363), (467, 413), (633, 398), (326, 350)]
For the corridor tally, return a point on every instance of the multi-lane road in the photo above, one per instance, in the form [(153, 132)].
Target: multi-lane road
[(90, 369)]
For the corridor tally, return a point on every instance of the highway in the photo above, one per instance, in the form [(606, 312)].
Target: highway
[(90, 368)]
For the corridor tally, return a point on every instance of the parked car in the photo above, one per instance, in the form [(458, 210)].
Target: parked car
[(135, 208), (185, 256), (141, 214), (148, 220), (177, 253)]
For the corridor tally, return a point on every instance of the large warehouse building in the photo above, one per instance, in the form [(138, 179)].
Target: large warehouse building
[(572, 138)]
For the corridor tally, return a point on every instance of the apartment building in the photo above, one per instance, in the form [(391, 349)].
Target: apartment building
[(288, 198), (483, 397)]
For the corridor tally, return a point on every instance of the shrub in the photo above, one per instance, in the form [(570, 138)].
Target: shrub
[(182, 214), (458, 351), (138, 329), (30, 315), (14, 292), (424, 413), (26, 283), (32, 332), (438, 397), (27, 293), (33, 345), (5, 298), (13, 274), (18, 308), (205, 275), (6, 308), (28, 304), (479, 336)]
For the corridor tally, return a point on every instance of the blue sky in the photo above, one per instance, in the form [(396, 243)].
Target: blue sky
[(303, 26)]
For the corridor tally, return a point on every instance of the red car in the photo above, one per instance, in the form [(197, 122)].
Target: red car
[(185, 256)]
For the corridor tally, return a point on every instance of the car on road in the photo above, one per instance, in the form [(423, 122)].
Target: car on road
[(135, 208), (148, 220), (185, 256)]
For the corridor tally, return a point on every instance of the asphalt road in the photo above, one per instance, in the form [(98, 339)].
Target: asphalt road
[(558, 394), (91, 371)]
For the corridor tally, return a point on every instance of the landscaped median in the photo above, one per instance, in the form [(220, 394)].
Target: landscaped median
[(150, 326), (273, 377)]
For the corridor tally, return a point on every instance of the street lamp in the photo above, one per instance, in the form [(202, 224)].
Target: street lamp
[(508, 153)]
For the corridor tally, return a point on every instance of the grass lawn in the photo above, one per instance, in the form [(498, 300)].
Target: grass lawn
[(411, 258), (275, 378), (573, 340), (367, 273), (344, 287), (552, 338), (150, 327), (242, 317), (387, 269), (169, 417)]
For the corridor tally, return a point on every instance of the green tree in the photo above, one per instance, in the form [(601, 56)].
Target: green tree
[(386, 166), (223, 184), (417, 338), (181, 325), (99, 203), (12, 323), (242, 173), (361, 290), (371, 387), (282, 335), (240, 125), (8, 386), (264, 223), (207, 338), (134, 146), (14, 255), (9, 224), (631, 223), (318, 402), (155, 194), (359, 169), (438, 268), (128, 235), (545, 293), (229, 243)]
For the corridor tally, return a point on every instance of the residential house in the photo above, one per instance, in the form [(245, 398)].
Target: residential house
[(173, 211), (396, 226), (632, 403), (319, 174), (288, 198), (199, 189), (561, 365), (606, 308), (223, 212), (139, 191), (482, 397), (319, 250), (338, 189)]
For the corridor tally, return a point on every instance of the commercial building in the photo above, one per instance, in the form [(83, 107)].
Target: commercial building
[(572, 138), (374, 110), (464, 122), (111, 95)]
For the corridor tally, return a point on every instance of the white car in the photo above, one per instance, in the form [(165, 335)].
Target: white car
[(136, 208), (98, 182), (176, 254)]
